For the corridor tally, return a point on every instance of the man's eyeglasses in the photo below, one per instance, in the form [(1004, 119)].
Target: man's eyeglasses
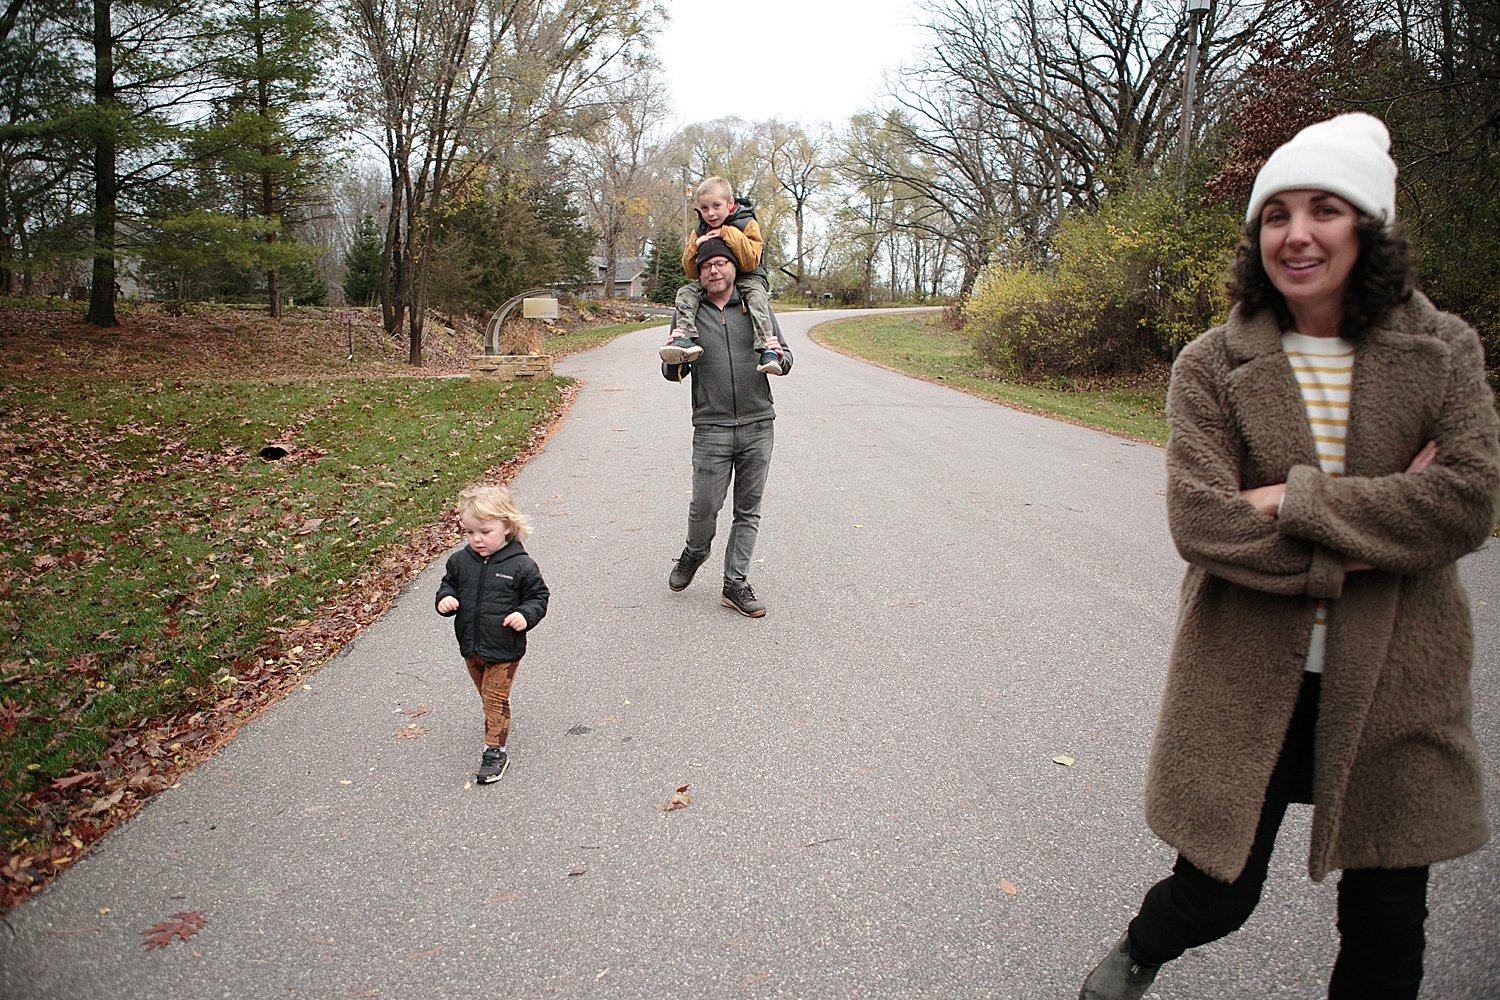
[(718, 264)]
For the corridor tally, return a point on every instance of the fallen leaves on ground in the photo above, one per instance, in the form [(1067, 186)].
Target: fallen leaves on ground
[(411, 732), (179, 925), (1008, 887), (73, 811)]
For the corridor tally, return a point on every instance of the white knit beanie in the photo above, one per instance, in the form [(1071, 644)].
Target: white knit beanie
[(1349, 155)]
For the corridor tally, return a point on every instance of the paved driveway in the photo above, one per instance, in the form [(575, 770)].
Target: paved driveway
[(958, 594)]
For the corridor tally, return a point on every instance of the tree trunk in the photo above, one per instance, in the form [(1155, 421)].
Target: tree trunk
[(268, 210), (392, 261), (800, 271), (611, 255), (8, 256), (418, 235), (414, 339), (102, 293), (415, 333)]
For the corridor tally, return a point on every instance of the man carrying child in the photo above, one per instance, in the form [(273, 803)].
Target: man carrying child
[(733, 421), (722, 216)]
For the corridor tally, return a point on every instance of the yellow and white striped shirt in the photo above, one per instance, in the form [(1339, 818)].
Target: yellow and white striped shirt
[(1324, 367)]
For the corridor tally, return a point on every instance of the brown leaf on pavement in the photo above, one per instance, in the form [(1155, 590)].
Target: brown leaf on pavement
[(179, 925), (419, 710), (411, 732), (679, 800), (1008, 887)]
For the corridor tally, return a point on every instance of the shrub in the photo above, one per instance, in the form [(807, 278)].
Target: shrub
[(1128, 285), (1022, 322)]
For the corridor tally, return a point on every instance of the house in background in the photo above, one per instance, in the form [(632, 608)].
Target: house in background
[(630, 278)]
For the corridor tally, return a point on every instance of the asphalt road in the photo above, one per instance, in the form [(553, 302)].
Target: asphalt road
[(959, 593)]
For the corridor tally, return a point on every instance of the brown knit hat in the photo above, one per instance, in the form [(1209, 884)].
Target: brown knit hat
[(709, 249)]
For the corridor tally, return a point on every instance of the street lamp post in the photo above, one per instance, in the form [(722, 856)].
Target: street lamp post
[(1196, 10)]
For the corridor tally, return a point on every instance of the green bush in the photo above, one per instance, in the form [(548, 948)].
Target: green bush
[(1022, 321), (1129, 284)]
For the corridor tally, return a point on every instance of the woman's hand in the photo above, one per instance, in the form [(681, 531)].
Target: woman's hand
[(1422, 460), (1424, 457), (1266, 499)]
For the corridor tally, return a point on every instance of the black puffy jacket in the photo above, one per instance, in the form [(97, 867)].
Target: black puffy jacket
[(488, 589)]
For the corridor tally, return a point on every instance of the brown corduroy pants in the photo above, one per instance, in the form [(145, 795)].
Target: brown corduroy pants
[(493, 681)]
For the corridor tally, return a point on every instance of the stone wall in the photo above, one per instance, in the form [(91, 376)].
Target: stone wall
[(511, 366)]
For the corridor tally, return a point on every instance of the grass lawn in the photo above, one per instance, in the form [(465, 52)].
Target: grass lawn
[(163, 580), (583, 340), (918, 344)]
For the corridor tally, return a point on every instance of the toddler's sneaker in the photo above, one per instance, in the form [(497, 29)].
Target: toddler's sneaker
[(770, 363), (680, 350), (492, 764)]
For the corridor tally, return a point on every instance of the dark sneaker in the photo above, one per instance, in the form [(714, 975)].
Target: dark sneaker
[(682, 572), (492, 764), (770, 363), (680, 351), (1117, 977), (741, 598)]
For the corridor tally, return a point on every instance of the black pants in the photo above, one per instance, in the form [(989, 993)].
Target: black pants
[(1381, 911)]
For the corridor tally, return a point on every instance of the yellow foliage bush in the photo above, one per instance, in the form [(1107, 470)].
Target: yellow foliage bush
[(1131, 283)]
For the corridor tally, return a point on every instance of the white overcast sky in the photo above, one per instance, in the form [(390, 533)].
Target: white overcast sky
[(819, 60)]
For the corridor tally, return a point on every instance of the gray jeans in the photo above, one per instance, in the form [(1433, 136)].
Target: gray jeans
[(719, 455)]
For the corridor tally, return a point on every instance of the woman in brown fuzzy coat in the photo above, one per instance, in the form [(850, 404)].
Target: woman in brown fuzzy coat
[(1334, 450)]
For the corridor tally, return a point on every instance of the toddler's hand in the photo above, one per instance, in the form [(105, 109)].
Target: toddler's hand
[(447, 605), (515, 620)]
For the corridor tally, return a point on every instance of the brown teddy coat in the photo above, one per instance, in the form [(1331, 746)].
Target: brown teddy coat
[(1397, 779)]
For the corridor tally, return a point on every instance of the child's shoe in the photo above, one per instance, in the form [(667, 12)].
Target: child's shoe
[(492, 764), (770, 362), (680, 350)]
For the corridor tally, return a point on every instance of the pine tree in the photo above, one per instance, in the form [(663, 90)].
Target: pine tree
[(664, 265), (362, 265)]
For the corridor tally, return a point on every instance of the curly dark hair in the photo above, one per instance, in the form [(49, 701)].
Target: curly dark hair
[(1379, 281)]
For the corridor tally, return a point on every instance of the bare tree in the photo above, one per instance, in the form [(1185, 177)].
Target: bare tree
[(1024, 110), (797, 164), (964, 190), (459, 84), (728, 147), (614, 166)]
